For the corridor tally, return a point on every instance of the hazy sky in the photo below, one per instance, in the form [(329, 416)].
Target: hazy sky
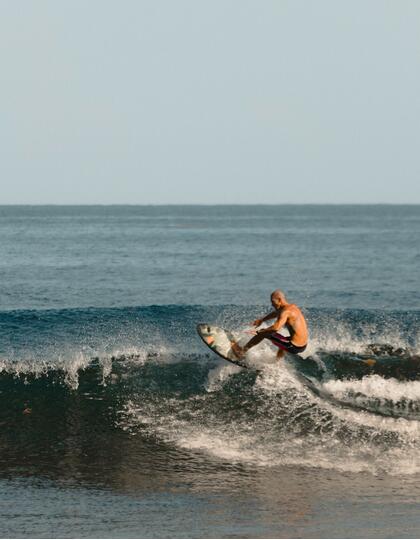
[(193, 101)]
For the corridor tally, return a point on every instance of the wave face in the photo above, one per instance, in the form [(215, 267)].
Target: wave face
[(352, 404)]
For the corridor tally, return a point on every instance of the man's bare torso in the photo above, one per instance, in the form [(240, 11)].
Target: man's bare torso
[(295, 323)]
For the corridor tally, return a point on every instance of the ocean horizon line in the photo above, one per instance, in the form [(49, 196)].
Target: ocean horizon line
[(165, 205)]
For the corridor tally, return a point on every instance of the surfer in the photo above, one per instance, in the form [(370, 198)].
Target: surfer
[(288, 315)]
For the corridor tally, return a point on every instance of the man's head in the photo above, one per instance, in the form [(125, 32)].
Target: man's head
[(278, 299)]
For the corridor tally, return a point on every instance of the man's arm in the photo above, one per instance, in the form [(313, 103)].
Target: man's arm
[(281, 321), (272, 315)]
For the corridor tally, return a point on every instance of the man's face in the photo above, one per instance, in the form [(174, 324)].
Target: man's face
[(275, 302)]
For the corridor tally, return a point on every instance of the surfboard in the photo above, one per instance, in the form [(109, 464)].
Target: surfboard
[(220, 341)]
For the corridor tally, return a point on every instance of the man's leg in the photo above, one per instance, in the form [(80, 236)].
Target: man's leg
[(241, 351), (254, 341)]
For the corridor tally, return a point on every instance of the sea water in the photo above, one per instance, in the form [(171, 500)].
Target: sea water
[(117, 421)]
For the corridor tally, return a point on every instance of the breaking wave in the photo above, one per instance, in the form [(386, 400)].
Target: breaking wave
[(352, 404)]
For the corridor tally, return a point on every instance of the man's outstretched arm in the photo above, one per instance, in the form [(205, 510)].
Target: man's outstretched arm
[(272, 315), (281, 321)]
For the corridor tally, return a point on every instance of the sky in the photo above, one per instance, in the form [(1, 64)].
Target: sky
[(209, 102)]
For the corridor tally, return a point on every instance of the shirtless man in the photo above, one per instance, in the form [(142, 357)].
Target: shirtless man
[(286, 314)]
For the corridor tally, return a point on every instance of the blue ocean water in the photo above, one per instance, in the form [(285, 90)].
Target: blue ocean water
[(116, 419), (329, 256)]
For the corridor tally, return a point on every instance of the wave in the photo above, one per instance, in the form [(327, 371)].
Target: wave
[(145, 373)]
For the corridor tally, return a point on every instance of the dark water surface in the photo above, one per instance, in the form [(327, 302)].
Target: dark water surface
[(116, 421)]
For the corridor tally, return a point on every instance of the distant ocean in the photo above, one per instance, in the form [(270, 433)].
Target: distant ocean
[(117, 421)]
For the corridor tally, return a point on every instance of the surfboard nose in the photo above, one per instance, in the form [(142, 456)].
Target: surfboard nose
[(203, 328)]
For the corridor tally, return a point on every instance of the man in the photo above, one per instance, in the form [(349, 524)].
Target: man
[(288, 315)]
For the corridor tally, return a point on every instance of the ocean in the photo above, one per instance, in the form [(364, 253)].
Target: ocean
[(117, 421)]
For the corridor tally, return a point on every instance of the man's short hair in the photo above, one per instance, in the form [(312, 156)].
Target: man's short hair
[(278, 294)]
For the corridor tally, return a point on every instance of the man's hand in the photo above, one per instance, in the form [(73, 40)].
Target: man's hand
[(264, 331), (257, 322)]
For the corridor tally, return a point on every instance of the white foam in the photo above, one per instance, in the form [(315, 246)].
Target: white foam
[(219, 375), (275, 378), (37, 368), (289, 425), (343, 338), (258, 445), (375, 386)]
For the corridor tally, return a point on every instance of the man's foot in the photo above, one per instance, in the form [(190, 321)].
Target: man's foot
[(237, 350), (280, 354)]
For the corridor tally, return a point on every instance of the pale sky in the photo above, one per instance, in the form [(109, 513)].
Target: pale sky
[(194, 101)]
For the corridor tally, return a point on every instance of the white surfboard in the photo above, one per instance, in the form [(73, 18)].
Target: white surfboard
[(220, 341)]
